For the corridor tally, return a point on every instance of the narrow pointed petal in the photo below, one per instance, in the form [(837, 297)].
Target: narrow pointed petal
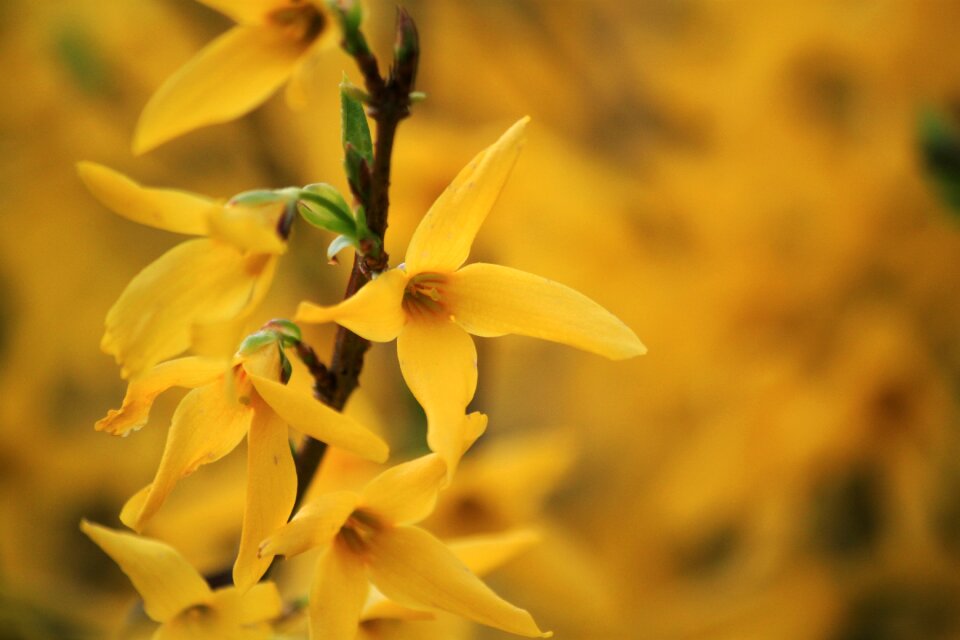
[(206, 426), (196, 282), (483, 554), (315, 525), (249, 228), (443, 239), (271, 491), (337, 594), (244, 11), (490, 300), (412, 567), (439, 364), (188, 372), (229, 77), (167, 209), (165, 580), (375, 312), (406, 493), (315, 419)]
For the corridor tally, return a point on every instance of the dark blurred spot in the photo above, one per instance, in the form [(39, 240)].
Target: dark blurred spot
[(939, 148), (65, 395), (946, 513), (80, 56), (471, 514), (710, 553), (80, 560), (901, 612), (823, 89), (847, 518)]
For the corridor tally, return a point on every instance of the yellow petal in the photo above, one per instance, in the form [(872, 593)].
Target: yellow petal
[(315, 525), (310, 416), (259, 603), (167, 209), (412, 567), (206, 426), (188, 372), (406, 493), (439, 363), (229, 77), (196, 282), (443, 238), (271, 491), (337, 594), (220, 338), (375, 312), (245, 11), (165, 580), (379, 607), (490, 300), (249, 228), (483, 554)]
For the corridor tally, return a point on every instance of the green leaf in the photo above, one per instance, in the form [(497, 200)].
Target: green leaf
[(339, 244), (259, 197), (326, 218), (256, 341), (355, 136), (940, 148), (288, 331), (327, 196)]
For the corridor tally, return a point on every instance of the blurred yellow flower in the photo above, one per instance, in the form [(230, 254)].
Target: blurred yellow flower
[(226, 403), (206, 282), (176, 595), (273, 42), (431, 305), (370, 534)]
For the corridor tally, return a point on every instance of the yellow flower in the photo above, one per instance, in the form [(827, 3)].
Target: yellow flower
[(202, 286), (371, 535), (176, 595), (226, 403), (272, 43), (431, 304)]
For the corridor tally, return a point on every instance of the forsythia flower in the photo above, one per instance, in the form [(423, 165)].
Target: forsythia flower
[(206, 282), (176, 595), (370, 534), (273, 42), (226, 403), (431, 305)]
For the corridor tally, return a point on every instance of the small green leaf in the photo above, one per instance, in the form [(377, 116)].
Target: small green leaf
[(286, 368), (325, 218), (353, 121), (327, 196), (339, 244), (287, 330), (256, 341), (259, 197)]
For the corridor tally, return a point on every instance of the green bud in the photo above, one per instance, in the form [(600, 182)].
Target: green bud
[(353, 122), (324, 218), (288, 331), (256, 341)]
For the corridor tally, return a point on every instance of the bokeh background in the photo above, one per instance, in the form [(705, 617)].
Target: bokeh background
[(756, 187)]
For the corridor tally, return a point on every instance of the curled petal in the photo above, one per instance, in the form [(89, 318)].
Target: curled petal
[(412, 567), (315, 525), (271, 491), (443, 238), (188, 372), (229, 77), (439, 364), (167, 583), (166, 209), (490, 300), (406, 493), (315, 419), (196, 282), (206, 426), (337, 594), (375, 312)]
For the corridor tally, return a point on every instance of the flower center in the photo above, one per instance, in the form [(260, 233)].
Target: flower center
[(424, 295), (301, 21), (358, 529)]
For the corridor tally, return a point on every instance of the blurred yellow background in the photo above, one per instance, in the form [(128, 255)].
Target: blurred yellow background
[(740, 182)]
